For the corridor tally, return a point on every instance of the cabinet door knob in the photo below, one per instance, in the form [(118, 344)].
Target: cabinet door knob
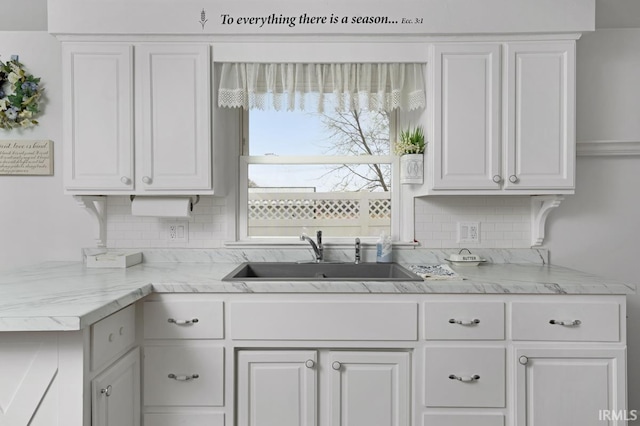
[(567, 323), (147, 180), (183, 322), (464, 378), (183, 377), (309, 363), (125, 180), (524, 360), (497, 178), (464, 322), (336, 365), (513, 179), (106, 391)]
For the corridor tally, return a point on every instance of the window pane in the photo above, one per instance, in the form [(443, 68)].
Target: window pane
[(342, 200), (331, 133)]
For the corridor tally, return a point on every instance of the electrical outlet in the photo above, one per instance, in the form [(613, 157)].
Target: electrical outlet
[(468, 232), (178, 232)]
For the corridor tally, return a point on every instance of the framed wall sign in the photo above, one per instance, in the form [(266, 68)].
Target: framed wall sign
[(26, 158)]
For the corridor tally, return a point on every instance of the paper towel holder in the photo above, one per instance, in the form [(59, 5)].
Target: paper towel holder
[(194, 200)]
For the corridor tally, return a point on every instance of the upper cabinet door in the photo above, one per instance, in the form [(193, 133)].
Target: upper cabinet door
[(540, 146), (98, 122), (466, 146), (173, 109)]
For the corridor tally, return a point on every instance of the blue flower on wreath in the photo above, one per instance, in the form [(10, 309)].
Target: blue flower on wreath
[(11, 113), (29, 86)]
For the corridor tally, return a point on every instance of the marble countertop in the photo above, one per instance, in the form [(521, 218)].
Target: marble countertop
[(69, 296)]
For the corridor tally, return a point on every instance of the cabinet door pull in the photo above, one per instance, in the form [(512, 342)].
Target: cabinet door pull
[(106, 391), (125, 180), (464, 378), (464, 322), (147, 180), (336, 365), (183, 378), (513, 179), (497, 178), (309, 363), (567, 323), (524, 360), (183, 322)]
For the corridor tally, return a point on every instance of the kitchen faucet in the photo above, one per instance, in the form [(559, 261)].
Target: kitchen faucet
[(317, 248)]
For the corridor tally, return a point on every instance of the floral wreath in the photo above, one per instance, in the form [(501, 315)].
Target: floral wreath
[(19, 96)]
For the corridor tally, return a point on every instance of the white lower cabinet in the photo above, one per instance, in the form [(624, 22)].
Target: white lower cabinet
[(184, 419), (464, 377), (277, 388), (392, 360), (115, 393), (560, 387), (475, 419), (370, 388), (280, 388), (176, 375)]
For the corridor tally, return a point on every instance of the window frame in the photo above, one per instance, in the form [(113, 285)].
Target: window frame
[(243, 193)]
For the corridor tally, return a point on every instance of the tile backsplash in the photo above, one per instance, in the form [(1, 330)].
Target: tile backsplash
[(207, 226), (505, 222)]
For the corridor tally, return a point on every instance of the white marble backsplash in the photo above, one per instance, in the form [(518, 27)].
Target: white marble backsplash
[(410, 255)]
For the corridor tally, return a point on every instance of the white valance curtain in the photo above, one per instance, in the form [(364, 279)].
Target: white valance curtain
[(291, 86)]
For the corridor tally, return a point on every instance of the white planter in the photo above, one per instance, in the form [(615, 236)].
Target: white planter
[(412, 168)]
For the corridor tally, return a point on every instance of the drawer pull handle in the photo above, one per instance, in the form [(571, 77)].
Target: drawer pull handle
[(106, 391), (183, 322), (309, 363), (336, 365), (524, 360), (183, 378), (464, 322), (464, 378), (567, 323)]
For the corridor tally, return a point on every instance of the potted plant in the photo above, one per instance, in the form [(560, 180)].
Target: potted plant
[(410, 148)]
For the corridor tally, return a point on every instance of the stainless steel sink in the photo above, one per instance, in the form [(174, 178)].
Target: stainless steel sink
[(284, 271)]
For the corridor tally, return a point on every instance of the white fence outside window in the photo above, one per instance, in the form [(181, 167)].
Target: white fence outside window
[(280, 214)]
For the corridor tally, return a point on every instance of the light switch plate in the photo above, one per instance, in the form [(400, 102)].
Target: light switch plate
[(178, 232), (468, 232)]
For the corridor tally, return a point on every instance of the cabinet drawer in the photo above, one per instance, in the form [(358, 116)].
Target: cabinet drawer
[(183, 320), (463, 420), (183, 375), (443, 365), (324, 320), (184, 419), (464, 321), (569, 321), (112, 336)]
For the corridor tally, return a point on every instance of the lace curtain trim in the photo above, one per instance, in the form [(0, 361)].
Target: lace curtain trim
[(376, 87)]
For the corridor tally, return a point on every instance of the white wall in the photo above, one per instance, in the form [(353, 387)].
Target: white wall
[(598, 229), (38, 222), (23, 15)]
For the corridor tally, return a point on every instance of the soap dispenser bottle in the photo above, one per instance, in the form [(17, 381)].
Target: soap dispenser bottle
[(384, 249)]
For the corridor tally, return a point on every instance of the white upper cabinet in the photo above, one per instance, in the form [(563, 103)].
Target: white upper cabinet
[(98, 116), (540, 142), (503, 118), (172, 109), (466, 152)]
